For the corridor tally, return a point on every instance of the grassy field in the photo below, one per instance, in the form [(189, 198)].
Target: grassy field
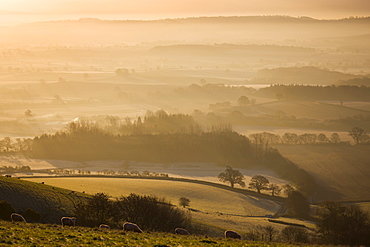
[(344, 169), (203, 197), (214, 209), (53, 235)]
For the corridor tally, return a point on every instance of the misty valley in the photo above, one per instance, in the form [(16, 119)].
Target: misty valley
[(114, 112)]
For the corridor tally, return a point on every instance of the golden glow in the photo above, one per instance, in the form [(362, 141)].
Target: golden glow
[(315, 8)]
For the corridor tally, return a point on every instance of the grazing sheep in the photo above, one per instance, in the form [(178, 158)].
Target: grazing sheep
[(68, 221), (232, 234), (181, 231), (102, 226), (131, 227), (17, 217)]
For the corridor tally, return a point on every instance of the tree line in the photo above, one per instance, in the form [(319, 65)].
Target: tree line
[(8, 144), (94, 144), (258, 182), (162, 139), (11, 169), (263, 140)]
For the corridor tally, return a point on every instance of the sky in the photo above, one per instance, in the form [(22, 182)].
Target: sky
[(149, 9)]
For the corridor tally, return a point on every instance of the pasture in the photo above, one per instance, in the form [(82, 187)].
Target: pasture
[(204, 198), (213, 210), (54, 235)]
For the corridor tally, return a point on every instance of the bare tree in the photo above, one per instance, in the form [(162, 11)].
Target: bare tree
[(322, 138), (287, 189), (334, 138), (259, 182), (232, 176), (7, 143), (358, 134), (290, 138), (184, 201), (275, 189), (267, 233)]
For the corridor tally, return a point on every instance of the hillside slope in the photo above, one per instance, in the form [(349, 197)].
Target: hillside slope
[(51, 202), (344, 169)]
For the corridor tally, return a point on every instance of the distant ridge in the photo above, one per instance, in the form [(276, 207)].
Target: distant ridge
[(262, 18), (221, 29)]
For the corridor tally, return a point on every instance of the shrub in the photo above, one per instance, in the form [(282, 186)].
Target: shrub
[(252, 235), (184, 201), (31, 215), (94, 212), (6, 210), (292, 234), (151, 213), (298, 205), (347, 225), (268, 233)]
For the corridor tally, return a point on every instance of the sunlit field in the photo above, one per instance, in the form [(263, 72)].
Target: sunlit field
[(203, 198), (210, 206)]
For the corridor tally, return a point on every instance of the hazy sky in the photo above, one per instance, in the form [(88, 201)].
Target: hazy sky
[(323, 9)]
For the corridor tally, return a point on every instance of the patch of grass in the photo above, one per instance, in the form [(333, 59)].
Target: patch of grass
[(53, 235)]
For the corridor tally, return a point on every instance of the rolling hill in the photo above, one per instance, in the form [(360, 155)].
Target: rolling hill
[(203, 198), (51, 202), (344, 169), (213, 208)]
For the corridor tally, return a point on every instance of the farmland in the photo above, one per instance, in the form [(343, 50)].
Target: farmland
[(234, 210), (212, 208), (203, 198), (178, 99)]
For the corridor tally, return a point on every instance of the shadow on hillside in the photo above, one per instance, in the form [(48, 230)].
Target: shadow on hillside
[(268, 205), (324, 193)]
